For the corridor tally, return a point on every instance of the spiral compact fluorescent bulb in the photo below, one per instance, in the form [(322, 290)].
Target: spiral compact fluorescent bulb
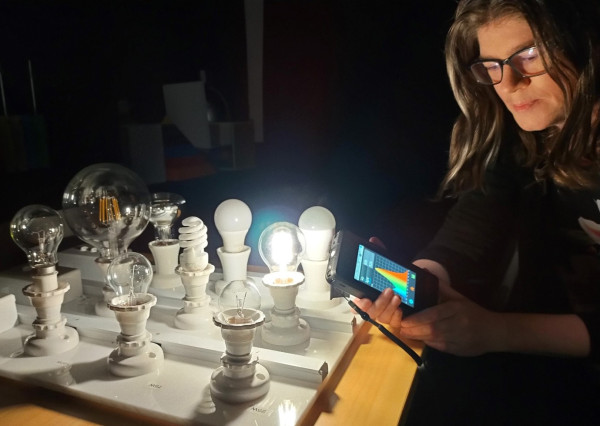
[(193, 240)]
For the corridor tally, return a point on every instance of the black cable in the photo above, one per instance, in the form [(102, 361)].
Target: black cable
[(387, 333)]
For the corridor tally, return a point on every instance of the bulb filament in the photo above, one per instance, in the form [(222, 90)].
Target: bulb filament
[(41, 237), (109, 209), (240, 305), (134, 270)]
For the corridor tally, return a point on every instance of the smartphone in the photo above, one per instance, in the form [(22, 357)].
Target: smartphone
[(362, 269)]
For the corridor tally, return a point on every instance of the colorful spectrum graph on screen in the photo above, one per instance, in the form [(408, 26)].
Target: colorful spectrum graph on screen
[(398, 279)]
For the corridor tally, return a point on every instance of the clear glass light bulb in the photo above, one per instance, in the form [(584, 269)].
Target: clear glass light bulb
[(108, 206), (318, 226), (38, 230), (281, 246), (129, 274), (164, 209), (238, 301)]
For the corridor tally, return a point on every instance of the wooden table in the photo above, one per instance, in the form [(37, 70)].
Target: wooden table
[(370, 385)]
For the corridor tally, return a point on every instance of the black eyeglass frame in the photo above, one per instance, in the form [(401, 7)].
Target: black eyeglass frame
[(501, 63)]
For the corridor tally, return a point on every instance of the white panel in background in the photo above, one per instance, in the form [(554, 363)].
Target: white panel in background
[(186, 108)]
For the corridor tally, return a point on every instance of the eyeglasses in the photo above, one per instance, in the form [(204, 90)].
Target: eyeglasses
[(526, 62)]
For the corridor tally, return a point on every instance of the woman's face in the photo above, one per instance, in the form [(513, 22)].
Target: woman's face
[(536, 103)]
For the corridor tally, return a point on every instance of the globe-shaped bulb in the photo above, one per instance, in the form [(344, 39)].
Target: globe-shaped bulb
[(108, 206), (38, 231), (164, 209), (281, 246), (129, 274), (318, 226)]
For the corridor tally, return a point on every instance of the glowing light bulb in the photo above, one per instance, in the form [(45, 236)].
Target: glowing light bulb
[(318, 226), (233, 219), (164, 209), (281, 246), (129, 274), (108, 206), (38, 231)]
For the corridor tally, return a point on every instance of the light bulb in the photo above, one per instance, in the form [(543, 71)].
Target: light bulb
[(281, 246), (108, 206), (38, 230), (238, 300), (318, 226), (129, 274), (164, 209), (193, 240), (233, 219)]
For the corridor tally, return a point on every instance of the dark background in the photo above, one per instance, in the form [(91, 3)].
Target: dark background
[(357, 107)]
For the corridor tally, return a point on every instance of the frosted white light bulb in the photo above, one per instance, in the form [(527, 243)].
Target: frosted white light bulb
[(233, 219), (318, 226), (38, 230), (281, 246)]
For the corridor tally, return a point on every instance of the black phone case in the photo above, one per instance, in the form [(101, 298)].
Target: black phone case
[(340, 273)]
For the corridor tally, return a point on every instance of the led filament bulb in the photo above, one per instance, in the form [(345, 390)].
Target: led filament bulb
[(38, 230), (281, 246), (108, 206)]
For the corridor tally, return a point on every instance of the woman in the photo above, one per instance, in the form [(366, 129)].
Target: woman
[(526, 77), (524, 166)]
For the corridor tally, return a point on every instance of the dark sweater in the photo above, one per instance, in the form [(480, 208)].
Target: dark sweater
[(559, 262)]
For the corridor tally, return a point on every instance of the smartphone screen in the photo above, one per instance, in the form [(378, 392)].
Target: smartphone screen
[(380, 272)]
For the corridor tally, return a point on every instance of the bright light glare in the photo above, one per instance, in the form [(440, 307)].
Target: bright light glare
[(287, 413), (282, 248)]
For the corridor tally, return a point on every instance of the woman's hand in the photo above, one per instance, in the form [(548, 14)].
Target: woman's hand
[(456, 325), (384, 309)]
